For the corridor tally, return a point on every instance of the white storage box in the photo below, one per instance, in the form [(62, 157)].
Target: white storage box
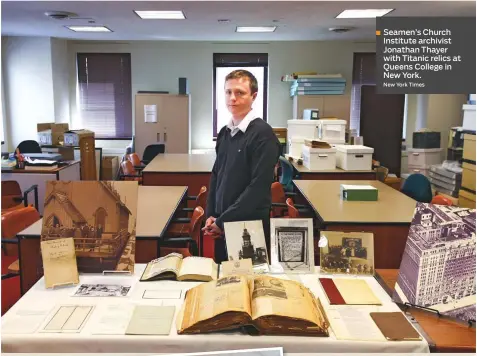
[(295, 146), (319, 159), (421, 170), (332, 131), (469, 117), (423, 157), (302, 129), (354, 157)]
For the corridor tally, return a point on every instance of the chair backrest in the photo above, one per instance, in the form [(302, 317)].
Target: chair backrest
[(201, 197), (134, 158), (10, 190), (278, 193), (29, 146), (195, 225), (418, 187), (440, 200), (128, 168), (18, 220), (382, 173), (152, 151), (292, 211), (287, 173)]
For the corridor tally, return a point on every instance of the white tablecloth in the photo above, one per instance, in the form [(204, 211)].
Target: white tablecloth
[(85, 342)]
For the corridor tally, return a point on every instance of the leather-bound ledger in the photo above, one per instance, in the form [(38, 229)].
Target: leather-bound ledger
[(395, 326)]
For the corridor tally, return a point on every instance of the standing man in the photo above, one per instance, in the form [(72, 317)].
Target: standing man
[(247, 152)]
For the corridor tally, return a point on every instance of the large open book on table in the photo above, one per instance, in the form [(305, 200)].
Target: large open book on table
[(271, 305), (175, 267)]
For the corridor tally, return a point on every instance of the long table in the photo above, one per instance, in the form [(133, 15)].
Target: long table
[(334, 174), (156, 208), (389, 218), (87, 342)]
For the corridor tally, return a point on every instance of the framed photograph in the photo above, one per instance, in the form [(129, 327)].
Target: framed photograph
[(291, 245), (347, 253), (245, 239)]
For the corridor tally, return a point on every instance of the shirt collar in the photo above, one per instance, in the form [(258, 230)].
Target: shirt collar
[(243, 125)]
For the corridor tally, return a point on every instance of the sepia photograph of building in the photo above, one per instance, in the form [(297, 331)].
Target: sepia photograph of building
[(438, 266), (101, 218), (245, 239)]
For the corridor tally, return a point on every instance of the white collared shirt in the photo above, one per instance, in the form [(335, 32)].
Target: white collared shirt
[(242, 126)]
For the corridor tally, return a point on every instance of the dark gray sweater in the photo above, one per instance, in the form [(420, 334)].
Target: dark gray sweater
[(240, 185)]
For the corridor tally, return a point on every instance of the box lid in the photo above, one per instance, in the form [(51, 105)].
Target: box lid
[(332, 122), (468, 107), (354, 149), (303, 122), (470, 137), (424, 150), (312, 150)]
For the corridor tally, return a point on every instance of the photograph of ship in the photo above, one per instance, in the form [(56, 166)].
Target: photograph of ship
[(438, 266), (101, 218)]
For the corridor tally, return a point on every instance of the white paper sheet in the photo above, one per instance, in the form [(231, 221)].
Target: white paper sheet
[(26, 321), (162, 294), (150, 113), (68, 318), (111, 319), (351, 323)]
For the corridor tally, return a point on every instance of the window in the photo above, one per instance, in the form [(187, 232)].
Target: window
[(364, 67), (224, 63), (104, 94)]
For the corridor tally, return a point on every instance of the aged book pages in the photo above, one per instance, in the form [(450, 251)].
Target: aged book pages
[(271, 305), (198, 268), (226, 295), (168, 265), (356, 291), (273, 298), (59, 262)]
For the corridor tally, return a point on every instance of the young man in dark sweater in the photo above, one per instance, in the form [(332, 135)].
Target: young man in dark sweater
[(247, 152)]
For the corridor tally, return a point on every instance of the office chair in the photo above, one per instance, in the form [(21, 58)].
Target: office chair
[(179, 226), (287, 174), (129, 172), (29, 146), (418, 187), (152, 151), (440, 200), (293, 212), (13, 198)]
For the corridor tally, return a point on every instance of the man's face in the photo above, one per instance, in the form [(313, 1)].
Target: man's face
[(238, 96)]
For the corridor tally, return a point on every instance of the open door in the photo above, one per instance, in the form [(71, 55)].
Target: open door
[(381, 122)]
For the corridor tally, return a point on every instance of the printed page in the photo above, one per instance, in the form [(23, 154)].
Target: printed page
[(59, 262), (26, 321), (169, 263), (210, 299), (69, 319), (60, 318), (198, 266), (151, 320), (77, 319), (240, 267), (274, 296), (111, 319), (351, 323)]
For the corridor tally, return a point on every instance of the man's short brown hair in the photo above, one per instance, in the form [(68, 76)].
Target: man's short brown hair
[(242, 73)]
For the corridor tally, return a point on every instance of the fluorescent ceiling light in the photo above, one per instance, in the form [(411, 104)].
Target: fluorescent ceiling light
[(160, 15), (256, 29), (363, 14), (89, 28)]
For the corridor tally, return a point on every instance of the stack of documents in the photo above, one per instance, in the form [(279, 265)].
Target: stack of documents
[(320, 84)]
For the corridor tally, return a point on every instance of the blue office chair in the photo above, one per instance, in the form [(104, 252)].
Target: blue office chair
[(418, 187), (29, 146), (288, 174)]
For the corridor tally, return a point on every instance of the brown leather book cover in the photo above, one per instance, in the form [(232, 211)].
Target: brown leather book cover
[(333, 294), (395, 326)]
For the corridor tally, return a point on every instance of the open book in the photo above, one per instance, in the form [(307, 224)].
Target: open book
[(271, 305), (175, 267)]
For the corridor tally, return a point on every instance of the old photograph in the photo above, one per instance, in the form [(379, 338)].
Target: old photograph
[(438, 266), (265, 287), (347, 253), (245, 239), (292, 245), (100, 216), (102, 290)]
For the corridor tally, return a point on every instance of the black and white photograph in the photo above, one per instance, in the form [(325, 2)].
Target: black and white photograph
[(291, 246), (347, 253), (438, 266), (245, 239), (265, 287), (102, 290)]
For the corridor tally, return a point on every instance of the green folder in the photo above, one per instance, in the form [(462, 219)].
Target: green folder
[(359, 192)]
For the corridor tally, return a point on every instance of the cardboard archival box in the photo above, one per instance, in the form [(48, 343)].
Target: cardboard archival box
[(51, 133), (109, 167), (73, 137)]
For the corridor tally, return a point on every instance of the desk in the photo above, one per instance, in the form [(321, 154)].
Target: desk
[(388, 219), (335, 174), (28, 177), (156, 208), (191, 170), (448, 335), (85, 341)]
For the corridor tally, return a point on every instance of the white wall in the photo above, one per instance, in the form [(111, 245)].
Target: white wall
[(28, 85), (158, 65), (61, 90)]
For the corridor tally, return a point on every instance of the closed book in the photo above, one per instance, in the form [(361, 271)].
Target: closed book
[(359, 192), (395, 326)]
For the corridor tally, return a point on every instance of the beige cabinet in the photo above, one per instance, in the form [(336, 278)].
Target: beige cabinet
[(162, 118)]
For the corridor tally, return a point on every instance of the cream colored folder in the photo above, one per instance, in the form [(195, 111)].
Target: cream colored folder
[(356, 291)]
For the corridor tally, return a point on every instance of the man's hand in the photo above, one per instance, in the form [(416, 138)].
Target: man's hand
[(209, 222), (214, 229)]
